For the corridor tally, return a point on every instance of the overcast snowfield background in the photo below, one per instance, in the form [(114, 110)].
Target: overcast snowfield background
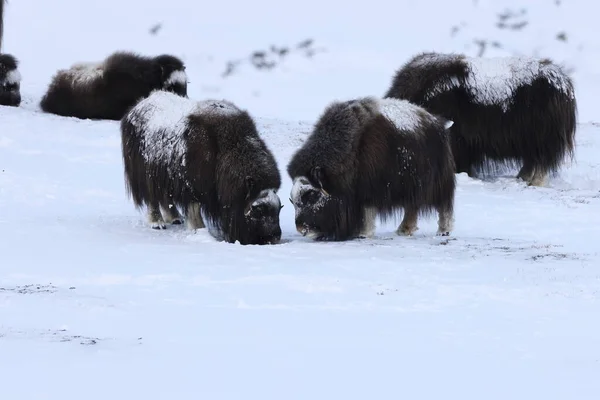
[(95, 305)]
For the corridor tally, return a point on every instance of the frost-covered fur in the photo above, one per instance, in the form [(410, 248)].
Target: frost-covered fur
[(506, 111), (10, 80), (206, 158), (108, 89), (369, 157)]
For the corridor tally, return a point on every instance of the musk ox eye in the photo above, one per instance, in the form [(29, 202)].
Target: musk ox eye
[(310, 197)]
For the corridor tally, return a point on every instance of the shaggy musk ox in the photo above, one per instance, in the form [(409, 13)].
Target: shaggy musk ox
[(107, 90), (370, 157), (506, 111), (10, 80), (206, 158)]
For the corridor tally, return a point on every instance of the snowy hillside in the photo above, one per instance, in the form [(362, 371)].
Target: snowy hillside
[(95, 305)]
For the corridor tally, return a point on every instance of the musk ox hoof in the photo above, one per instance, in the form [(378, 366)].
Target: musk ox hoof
[(406, 230), (158, 225), (177, 221), (443, 233)]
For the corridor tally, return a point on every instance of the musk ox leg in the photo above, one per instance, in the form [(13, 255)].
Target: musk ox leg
[(155, 218), (193, 217), (445, 221), (171, 213), (369, 223), (539, 178), (526, 172), (534, 176), (408, 226)]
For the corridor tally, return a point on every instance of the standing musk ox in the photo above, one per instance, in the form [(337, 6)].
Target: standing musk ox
[(203, 157), (10, 77), (506, 111), (107, 90), (369, 157)]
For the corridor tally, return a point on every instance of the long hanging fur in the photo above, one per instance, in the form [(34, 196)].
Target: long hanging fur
[(205, 158), (108, 89), (506, 111), (369, 157), (10, 80)]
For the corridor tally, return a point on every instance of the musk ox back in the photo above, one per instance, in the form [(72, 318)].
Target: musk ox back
[(369, 157), (108, 89), (506, 111), (207, 159), (10, 80)]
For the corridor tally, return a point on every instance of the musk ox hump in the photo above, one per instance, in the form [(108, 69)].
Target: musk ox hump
[(494, 80), (83, 74), (218, 107), (161, 118), (403, 114)]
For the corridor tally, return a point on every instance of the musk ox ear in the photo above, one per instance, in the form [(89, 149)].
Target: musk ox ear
[(318, 176)]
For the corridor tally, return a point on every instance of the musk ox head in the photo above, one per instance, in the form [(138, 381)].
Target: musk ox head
[(173, 76), (261, 219), (10, 81), (320, 215)]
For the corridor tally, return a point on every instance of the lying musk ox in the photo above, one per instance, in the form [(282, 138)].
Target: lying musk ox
[(203, 157), (506, 111), (107, 90), (10, 80), (370, 157)]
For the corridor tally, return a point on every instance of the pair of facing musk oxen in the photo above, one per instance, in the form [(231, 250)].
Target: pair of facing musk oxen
[(367, 157)]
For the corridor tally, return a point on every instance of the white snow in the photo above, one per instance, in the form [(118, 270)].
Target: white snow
[(493, 80), (162, 119), (13, 76), (95, 305), (403, 114), (177, 77)]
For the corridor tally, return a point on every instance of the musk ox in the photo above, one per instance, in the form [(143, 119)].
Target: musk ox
[(10, 80), (512, 111), (107, 90), (370, 157), (205, 157)]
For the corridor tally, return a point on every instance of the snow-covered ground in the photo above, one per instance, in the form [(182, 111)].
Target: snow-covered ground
[(96, 305)]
